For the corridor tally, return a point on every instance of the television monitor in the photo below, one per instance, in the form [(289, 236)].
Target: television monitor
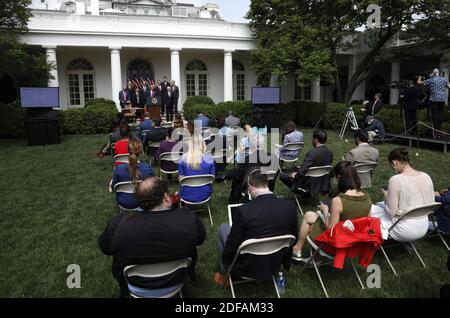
[(266, 95), (39, 97)]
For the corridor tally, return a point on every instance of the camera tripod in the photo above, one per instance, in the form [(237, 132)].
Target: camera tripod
[(349, 117)]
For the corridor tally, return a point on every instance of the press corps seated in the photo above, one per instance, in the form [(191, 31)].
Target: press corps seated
[(196, 162), (146, 125), (134, 171)]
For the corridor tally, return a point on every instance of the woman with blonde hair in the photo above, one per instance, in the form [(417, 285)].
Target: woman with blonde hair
[(133, 172), (196, 162)]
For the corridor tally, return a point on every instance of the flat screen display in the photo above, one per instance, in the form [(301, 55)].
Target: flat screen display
[(266, 95), (36, 97)]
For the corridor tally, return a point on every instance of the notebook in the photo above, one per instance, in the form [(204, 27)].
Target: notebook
[(231, 211)]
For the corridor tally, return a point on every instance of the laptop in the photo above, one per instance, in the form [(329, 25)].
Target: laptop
[(231, 210)]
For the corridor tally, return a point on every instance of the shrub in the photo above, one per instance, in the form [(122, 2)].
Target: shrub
[(94, 119), (335, 115), (12, 121), (197, 100), (101, 103)]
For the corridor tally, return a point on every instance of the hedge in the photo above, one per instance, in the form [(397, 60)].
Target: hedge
[(95, 118), (12, 121), (197, 100)]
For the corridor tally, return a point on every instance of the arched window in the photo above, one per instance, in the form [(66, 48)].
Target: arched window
[(239, 80), (138, 69), (81, 83), (196, 79)]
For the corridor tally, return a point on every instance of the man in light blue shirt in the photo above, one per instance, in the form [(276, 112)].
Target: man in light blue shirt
[(203, 119), (439, 86)]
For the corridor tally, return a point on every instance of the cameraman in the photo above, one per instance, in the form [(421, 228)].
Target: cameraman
[(438, 94), (411, 104)]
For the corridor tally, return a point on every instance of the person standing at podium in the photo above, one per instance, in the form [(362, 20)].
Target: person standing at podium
[(138, 100)]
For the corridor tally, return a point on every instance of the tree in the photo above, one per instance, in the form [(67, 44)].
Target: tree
[(14, 15), (25, 65), (304, 37)]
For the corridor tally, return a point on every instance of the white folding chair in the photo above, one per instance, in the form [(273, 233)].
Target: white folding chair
[(313, 172), (436, 230), (157, 270), (166, 125), (153, 145), (413, 213), (364, 170), (318, 251), (291, 146), (198, 181), (119, 159), (129, 188), (173, 157), (261, 247)]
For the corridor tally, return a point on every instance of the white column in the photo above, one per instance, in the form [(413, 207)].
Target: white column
[(360, 91), (95, 7), (443, 67), (315, 90), (51, 59), (395, 77), (228, 76), (116, 75), (175, 71)]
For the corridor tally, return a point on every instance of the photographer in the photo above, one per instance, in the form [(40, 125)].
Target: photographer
[(410, 102), (438, 96)]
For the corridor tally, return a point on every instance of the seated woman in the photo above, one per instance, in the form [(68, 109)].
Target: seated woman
[(223, 129), (121, 146), (134, 171), (248, 144), (166, 146), (195, 162), (291, 134), (409, 188), (351, 203), (178, 121)]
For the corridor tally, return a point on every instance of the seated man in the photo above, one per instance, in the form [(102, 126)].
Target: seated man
[(113, 137), (264, 216), (232, 121), (443, 213), (160, 233), (319, 156), (362, 153), (168, 146), (145, 125), (375, 128), (203, 120), (156, 134)]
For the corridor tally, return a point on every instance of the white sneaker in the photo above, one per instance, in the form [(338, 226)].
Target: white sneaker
[(297, 256)]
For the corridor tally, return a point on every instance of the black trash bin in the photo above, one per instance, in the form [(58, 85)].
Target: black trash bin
[(42, 127)]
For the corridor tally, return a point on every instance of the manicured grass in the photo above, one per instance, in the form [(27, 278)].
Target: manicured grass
[(55, 203)]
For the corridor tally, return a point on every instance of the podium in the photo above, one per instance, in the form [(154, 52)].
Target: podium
[(155, 108)]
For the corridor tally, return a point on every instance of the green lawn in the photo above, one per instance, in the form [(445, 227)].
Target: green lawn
[(55, 203)]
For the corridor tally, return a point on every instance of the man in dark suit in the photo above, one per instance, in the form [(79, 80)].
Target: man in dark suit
[(161, 91), (145, 93), (176, 95), (319, 156), (124, 97), (168, 103), (160, 233), (264, 216), (156, 134)]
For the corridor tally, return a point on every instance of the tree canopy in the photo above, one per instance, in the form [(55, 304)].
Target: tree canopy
[(303, 37), (24, 65)]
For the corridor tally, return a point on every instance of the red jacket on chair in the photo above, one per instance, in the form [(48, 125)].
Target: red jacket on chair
[(341, 242)]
